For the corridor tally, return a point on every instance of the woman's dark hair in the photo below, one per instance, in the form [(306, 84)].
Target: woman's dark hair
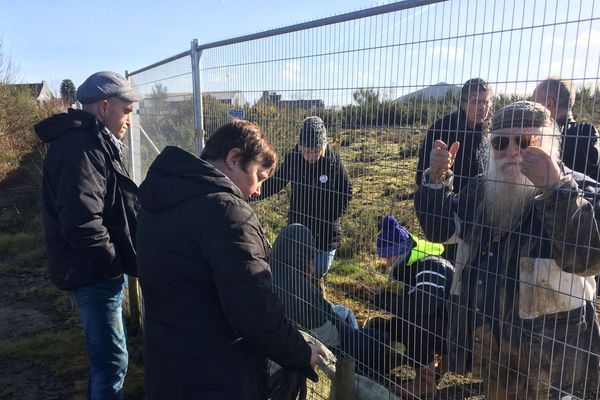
[(244, 135)]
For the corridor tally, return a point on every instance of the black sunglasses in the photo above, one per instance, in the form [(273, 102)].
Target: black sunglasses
[(502, 142)]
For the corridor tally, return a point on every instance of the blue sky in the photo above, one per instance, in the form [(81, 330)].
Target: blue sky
[(511, 43), (54, 40)]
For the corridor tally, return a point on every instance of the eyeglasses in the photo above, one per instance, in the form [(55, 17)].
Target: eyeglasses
[(501, 142)]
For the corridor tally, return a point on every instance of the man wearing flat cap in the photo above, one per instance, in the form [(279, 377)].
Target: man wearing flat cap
[(90, 206), (522, 314)]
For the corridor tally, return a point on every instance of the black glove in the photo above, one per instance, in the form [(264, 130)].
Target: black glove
[(286, 384)]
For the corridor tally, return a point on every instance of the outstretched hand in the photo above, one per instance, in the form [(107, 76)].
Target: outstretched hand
[(441, 160), (316, 351)]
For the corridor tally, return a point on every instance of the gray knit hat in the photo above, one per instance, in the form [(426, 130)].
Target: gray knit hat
[(526, 114), (312, 133), (105, 84)]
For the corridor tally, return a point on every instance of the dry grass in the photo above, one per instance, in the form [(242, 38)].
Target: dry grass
[(20, 153)]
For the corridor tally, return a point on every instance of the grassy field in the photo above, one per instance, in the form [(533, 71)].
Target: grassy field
[(382, 164), (42, 352)]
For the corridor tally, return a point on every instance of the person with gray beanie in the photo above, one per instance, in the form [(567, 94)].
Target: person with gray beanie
[(523, 291), (90, 208), (321, 189)]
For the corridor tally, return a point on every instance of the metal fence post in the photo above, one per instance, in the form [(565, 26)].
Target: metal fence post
[(197, 96), (135, 169), (344, 378), (134, 142)]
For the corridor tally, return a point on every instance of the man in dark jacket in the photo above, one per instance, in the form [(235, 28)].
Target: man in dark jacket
[(211, 316), (465, 125), (90, 206), (580, 148), (321, 189), (523, 291)]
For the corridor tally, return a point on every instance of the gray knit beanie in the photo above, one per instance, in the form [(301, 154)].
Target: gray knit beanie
[(312, 133), (525, 114)]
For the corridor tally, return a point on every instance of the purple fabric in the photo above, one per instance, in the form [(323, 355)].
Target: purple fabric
[(393, 239)]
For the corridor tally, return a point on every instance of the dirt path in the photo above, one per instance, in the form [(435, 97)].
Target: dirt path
[(27, 314)]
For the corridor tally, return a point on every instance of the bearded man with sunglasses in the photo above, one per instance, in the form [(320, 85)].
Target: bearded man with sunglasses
[(522, 314)]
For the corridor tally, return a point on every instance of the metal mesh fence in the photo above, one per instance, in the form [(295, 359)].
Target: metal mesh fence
[(508, 309), (165, 116)]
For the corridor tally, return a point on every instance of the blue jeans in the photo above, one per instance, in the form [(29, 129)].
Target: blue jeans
[(323, 260), (100, 311)]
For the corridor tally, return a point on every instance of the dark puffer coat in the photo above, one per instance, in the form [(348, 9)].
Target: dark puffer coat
[(320, 194), (211, 315), (90, 203), (580, 147)]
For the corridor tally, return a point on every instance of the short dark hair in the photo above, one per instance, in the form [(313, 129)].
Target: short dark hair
[(559, 89), (473, 85), (253, 143)]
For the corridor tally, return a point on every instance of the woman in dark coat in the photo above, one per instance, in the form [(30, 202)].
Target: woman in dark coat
[(211, 316)]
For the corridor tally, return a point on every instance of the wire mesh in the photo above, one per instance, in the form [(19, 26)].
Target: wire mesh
[(519, 320), (166, 114)]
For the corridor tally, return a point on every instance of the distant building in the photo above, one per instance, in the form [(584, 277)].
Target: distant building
[(39, 91), (234, 98), (170, 101), (308, 105), (164, 103), (272, 98), (269, 97), (434, 92)]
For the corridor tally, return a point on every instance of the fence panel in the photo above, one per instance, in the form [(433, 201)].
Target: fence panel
[(380, 83), (165, 117)]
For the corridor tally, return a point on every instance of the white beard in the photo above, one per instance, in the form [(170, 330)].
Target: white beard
[(507, 195), (507, 191)]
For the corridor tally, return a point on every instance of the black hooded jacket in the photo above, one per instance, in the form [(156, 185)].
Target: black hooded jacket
[(89, 202), (580, 148), (320, 194), (211, 315)]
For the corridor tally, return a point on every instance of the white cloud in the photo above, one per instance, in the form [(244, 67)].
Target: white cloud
[(552, 40), (364, 78), (291, 71), (589, 37), (331, 67), (592, 37), (450, 52), (566, 67)]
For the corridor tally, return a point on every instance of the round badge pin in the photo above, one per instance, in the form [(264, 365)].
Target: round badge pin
[(323, 178)]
